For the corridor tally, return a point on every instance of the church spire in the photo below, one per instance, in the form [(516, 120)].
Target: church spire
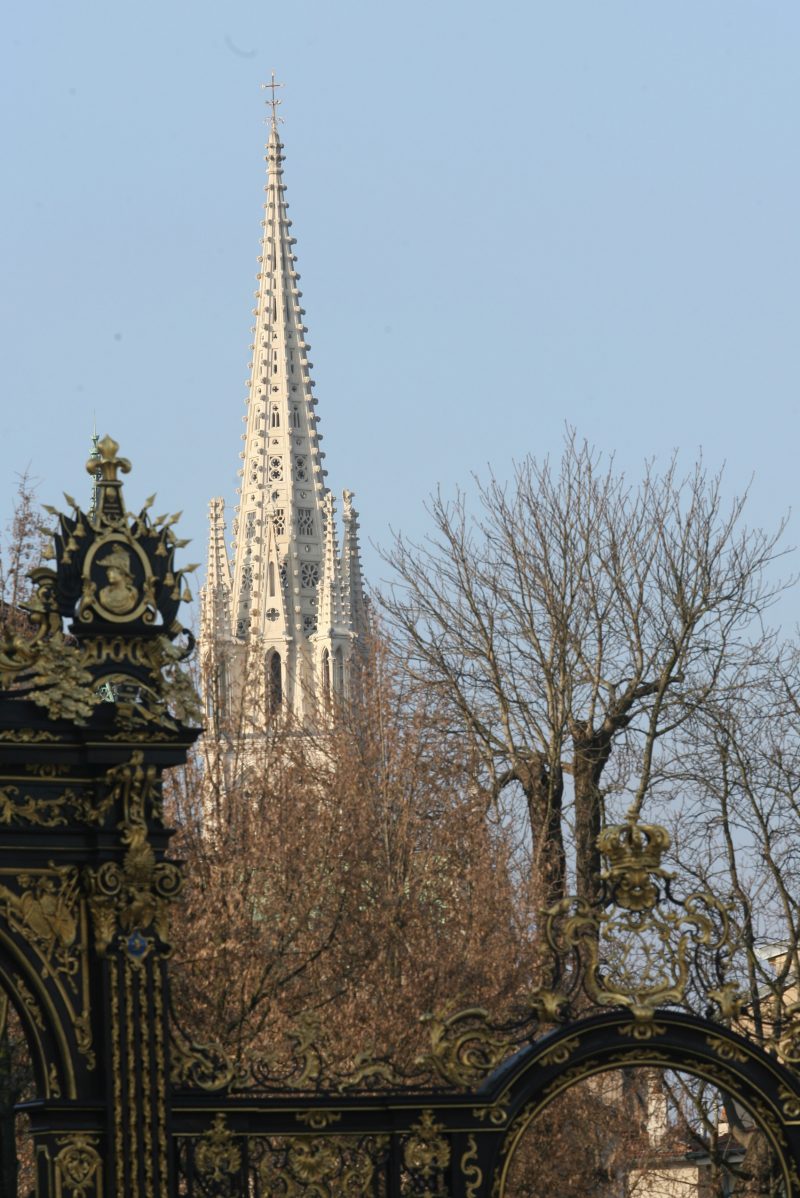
[(285, 559), (282, 477), (216, 594)]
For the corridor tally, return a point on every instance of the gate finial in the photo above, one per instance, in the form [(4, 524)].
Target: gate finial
[(116, 581), (108, 506)]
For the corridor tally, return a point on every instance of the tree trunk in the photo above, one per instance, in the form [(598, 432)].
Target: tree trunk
[(544, 794)]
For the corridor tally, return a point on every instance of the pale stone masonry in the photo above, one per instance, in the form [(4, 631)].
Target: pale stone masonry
[(288, 608)]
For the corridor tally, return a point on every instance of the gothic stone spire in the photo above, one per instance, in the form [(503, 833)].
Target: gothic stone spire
[(280, 569)]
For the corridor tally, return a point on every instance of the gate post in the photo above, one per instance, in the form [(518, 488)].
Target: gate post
[(89, 720)]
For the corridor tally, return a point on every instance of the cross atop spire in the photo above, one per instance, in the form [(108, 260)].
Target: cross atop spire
[(273, 101)]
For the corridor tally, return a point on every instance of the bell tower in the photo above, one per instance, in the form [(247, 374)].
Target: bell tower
[(286, 612)]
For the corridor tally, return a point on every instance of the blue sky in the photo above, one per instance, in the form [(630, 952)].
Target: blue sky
[(508, 217)]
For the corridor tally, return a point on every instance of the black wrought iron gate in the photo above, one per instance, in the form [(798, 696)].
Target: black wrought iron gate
[(127, 1105)]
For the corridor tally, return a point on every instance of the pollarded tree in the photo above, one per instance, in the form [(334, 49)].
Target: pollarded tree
[(572, 624)]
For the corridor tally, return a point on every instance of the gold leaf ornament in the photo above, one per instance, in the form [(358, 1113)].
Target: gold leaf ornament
[(78, 1165), (465, 1048), (217, 1156)]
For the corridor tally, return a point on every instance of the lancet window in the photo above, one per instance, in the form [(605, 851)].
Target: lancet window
[(275, 681), (326, 674), (338, 672)]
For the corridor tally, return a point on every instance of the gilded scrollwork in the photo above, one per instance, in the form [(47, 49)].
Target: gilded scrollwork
[(725, 1050), (471, 1170), (78, 1166), (426, 1157), (642, 948), (790, 1103), (202, 1066), (560, 1052), (28, 1001), (642, 1030), (209, 1067), (130, 897), (318, 1120), (465, 1048), (496, 1113), (48, 810), (42, 812), (28, 736), (786, 1044), (217, 1157)]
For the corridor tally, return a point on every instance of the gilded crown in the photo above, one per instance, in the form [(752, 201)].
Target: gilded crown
[(633, 845), (633, 852)]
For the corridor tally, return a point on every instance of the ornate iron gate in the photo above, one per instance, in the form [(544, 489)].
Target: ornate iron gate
[(127, 1105)]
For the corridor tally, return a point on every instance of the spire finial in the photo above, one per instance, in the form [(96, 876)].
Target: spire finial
[(273, 101)]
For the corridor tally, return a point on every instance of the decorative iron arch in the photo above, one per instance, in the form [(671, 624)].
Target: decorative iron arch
[(46, 1024), (758, 1081)]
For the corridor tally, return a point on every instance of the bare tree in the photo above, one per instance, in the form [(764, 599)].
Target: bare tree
[(573, 624), (735, 812)]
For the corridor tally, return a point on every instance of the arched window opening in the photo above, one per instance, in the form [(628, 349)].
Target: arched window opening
[(326, 674), (271, 578), (275, 682), (275, 417), (338, 672)]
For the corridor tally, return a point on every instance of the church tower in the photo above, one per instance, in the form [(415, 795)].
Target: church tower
[(286, 613)]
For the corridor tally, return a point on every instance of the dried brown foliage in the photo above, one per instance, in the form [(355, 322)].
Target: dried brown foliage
[(350, 873)]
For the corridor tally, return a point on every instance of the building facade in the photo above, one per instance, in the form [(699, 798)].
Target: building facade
[(283, 616)]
